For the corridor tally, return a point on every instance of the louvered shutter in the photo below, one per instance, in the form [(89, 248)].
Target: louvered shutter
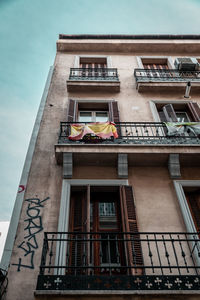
[(129, 223), (71, 115), (78, 247), (71, 111), (194, 110), (169, 113), (193, 200), (114, 115)]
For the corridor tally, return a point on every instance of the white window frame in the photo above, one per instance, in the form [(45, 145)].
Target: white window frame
[(93, 114), (154, 110), (187, 217)]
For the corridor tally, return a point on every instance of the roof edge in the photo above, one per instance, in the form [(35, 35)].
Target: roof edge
[(130, 36)]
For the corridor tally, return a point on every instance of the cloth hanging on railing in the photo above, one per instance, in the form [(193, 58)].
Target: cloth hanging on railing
[(183, 128), (100, 129)]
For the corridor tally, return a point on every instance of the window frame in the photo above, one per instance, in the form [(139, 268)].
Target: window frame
[(167, 58), (154, 110), (63, 220), (78, 58), (185, 210), (93, 115)]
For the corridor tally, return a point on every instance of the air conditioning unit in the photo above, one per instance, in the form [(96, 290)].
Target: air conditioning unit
[(186, 64)]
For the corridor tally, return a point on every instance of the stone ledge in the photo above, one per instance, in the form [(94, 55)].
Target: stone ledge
[(120, 292), (90, 85)]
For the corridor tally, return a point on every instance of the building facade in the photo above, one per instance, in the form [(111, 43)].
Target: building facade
[(109, 200)]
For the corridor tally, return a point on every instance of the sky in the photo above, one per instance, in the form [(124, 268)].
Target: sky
[(3, 233), (28, 33)]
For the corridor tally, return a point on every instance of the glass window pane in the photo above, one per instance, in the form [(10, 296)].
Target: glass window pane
[(107, 209), (85, 116), (102, 116), (182, 117)]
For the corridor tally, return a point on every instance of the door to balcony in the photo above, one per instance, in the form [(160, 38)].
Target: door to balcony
[(96, 245)]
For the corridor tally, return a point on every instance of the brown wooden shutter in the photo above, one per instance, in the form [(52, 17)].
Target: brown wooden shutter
[(169, 113), (114, 115), (71, 111), (193, 200), (194, 110), (79, 223), (129, 223)]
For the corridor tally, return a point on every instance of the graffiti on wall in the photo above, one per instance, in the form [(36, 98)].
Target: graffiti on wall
[(33, 225)]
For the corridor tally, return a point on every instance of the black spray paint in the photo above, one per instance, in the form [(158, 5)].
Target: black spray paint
[(32, 228)]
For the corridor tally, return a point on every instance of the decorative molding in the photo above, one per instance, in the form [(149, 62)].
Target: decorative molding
[(67, 165), (174, 166), (122, 165)]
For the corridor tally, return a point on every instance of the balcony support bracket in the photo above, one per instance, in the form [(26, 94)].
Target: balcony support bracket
[(174, 166), (67, 165), (122, 165)]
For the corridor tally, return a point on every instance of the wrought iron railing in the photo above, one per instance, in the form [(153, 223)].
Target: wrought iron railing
[(112, 260), (134, 133), (93, 74), (3, 282), (172, 75)]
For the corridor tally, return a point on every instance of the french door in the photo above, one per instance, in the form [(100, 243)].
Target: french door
[(100, 220)]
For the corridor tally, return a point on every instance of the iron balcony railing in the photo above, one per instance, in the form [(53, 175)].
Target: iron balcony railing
[(120, 261), (170, 75), (134, 133), (3, 282), (110, 74)]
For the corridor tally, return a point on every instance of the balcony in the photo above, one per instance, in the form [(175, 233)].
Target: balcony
[(3, 282), (166, 79), (88, 79), (119, 261), (135, 133)]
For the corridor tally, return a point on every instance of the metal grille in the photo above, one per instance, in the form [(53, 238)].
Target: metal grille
[(171, 261), (170, 75), (132, 133), (93, 74)]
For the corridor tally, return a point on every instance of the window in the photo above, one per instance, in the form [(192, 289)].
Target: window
[(93, 116), (152, 62), (179, 112), (99, 215), (93, 62), (89, 111), (188, 193), (192, 195)]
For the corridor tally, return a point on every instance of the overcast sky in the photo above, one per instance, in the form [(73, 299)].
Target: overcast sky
[(28, 33)]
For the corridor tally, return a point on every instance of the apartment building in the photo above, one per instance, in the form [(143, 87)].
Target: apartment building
[(109, 199)]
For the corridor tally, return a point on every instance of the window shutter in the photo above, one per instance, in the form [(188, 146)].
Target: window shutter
[(129, 223), (114, 115), (194, 110), (71, 111), (77, 247), (169, 113), (193, 200)]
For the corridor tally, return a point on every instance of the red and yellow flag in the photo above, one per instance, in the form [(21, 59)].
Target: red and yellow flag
[(102, 130)]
